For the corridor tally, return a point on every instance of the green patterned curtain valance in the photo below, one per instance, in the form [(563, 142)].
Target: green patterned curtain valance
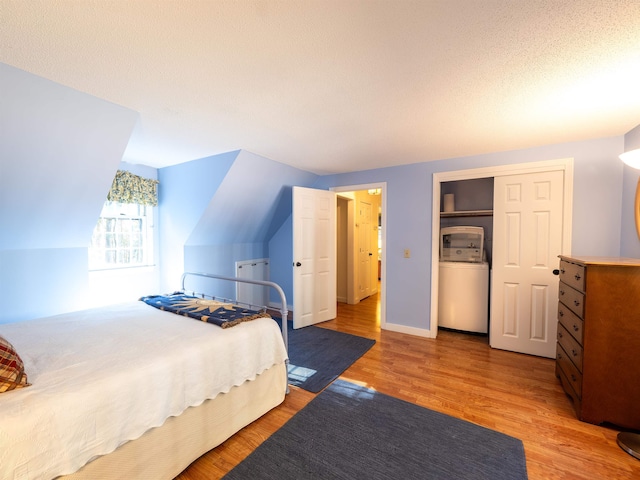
[(130, 188)]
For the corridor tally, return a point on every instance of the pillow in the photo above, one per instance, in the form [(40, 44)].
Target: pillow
[(12, 374)]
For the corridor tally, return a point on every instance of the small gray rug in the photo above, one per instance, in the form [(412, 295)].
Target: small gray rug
[(317, 356), (351, 432)]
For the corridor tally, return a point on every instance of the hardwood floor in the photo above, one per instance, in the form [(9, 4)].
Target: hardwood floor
[(462, 376)]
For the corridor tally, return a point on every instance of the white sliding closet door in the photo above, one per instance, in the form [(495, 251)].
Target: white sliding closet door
[(527, 230)]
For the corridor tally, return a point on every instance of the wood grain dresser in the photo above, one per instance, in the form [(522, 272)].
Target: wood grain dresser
[(598, 347)]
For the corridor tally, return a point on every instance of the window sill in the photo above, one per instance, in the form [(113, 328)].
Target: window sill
[(141, 268)]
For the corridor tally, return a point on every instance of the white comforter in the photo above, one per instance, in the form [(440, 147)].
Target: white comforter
[(102, 377)]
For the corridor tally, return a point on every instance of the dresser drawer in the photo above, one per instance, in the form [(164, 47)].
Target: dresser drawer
[(569, 369), (570, 321), (570, 346), (572, 274), (572, 299), (568, 388)]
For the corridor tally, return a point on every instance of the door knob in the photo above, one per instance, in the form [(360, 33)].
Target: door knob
[(297, 264)]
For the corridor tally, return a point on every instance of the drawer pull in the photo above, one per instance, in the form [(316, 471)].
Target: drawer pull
[(573, 378), (575, 328), (561, 313), (576, 303), (559, 356), (575, 354), (561, 292), (562, 271), (577, 276), (559, 334)]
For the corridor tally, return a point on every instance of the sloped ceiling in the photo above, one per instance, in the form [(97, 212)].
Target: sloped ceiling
[(252, 202), (55, 140), (333, 86)]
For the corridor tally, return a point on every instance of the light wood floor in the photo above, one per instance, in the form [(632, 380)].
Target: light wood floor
[(462, 376)]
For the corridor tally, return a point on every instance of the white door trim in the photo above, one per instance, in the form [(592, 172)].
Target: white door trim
[(564, 164), (383, 263), (349, 197)]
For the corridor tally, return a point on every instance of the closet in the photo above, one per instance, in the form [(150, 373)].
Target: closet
[(525, 210)]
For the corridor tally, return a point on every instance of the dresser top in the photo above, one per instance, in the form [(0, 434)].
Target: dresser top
[(588, 260)]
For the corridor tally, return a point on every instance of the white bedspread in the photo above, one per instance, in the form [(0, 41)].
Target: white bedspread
[(102, 377)]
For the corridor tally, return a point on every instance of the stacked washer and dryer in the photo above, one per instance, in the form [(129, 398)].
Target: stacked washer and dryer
[(463, 298)]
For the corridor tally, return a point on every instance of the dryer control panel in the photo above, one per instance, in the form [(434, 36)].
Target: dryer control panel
[(462, 244)]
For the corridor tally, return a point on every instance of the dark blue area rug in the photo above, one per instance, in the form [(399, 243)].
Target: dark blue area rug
[(351, 432), (317, 356)]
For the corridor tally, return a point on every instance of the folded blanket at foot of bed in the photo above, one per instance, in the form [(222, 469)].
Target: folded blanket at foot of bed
[(207, 310)]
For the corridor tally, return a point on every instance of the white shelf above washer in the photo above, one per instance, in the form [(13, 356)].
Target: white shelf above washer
[(467, 213)]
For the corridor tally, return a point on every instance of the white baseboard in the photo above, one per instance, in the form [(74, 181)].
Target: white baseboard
[(418, 332)]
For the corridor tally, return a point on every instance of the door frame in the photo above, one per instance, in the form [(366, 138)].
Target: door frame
[(349, 198), (564, 164), (383, 263)]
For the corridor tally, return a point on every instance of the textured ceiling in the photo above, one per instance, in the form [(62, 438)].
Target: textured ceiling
[(340, 85)]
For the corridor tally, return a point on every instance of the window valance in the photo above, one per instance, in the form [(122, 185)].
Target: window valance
[(130, 188)]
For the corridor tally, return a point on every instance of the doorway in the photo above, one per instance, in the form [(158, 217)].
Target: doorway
[(361, 243)]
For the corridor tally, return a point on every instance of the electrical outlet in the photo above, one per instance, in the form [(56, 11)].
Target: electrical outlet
[(407, 253)]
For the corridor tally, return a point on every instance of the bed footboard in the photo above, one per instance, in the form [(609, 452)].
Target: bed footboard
[(283, 299)]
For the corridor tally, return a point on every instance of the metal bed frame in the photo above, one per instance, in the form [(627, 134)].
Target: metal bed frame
[(283, 299)]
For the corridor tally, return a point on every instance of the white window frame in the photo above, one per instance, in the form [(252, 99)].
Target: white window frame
[(121, 244)]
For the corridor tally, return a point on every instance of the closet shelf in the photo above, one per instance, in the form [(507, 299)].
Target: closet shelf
[(467, 213)]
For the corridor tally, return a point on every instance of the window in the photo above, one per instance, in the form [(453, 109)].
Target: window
[(123, 237)]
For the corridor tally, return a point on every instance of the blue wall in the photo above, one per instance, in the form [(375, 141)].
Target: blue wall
[(218, 210), (597, 206), (630, 245), (234, 203), (281, 260), (59, 152), (185, 192)]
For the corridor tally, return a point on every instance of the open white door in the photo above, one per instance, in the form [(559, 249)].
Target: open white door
[(527, 231), (314, 256), (365, 255)]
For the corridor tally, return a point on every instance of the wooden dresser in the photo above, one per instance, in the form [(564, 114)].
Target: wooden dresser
[(598, 348)]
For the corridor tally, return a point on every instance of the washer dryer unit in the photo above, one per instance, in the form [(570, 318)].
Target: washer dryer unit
[(463, 293)]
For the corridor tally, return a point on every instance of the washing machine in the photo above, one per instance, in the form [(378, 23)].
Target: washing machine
[(463, 293)]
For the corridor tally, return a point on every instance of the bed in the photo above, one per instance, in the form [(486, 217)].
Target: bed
[(132, 391)]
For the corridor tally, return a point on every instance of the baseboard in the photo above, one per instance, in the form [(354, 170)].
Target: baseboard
[(418, 332), (277, 306)]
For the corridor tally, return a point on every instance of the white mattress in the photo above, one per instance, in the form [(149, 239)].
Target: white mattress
[(102, 377)]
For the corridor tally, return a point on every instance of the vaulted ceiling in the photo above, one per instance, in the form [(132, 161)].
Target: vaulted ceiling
[(334, 86)]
